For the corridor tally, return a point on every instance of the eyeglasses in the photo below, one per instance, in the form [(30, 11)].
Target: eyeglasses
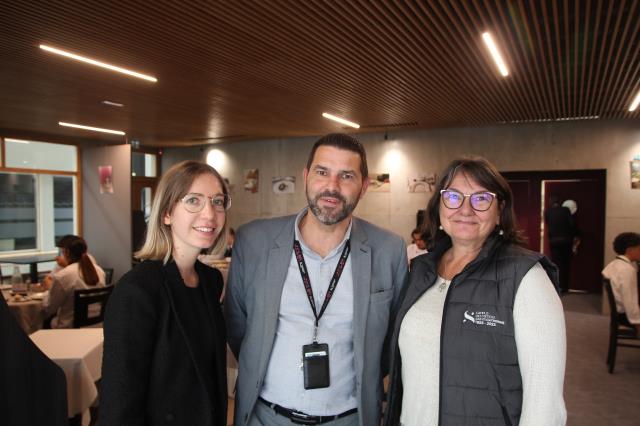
[(480, 201), (195, 203)]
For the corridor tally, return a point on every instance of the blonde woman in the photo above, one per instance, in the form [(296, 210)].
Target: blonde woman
[(164, 348)]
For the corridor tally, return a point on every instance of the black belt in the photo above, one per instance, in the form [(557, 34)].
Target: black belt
[(302, 418)]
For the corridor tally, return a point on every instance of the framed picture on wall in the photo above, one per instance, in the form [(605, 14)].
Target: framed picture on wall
[(283, 185), (251, 180), (421, 182), (105, 174), (379, 182), (635, 174)]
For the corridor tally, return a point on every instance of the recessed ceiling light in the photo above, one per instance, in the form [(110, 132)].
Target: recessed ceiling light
[(93, 129), (98, 63), (635, 102), (114, 104), (495, 54), (341, 120)]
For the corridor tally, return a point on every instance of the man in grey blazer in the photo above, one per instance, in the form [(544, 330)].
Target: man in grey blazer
[(309, 301)]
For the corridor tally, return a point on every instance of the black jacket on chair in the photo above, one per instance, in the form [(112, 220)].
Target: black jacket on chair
[(33, 388), (149, 373)]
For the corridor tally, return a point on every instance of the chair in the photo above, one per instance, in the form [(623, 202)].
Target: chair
[(86, 304), (616, 331), (108, 275)]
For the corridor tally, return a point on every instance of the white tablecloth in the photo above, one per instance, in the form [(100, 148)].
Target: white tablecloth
[(79, 353), (29, 312)]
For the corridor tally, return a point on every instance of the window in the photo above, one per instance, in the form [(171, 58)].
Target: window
[(38, 195), (143, 164)]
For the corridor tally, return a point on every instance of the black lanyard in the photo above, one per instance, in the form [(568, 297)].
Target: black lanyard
[(624, 259), (297, 250)]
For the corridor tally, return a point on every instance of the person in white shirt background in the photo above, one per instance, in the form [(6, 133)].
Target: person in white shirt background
[(623, 274), (79, 274), (418, 246)]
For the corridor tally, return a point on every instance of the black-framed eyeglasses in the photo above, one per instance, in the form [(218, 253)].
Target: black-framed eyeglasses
[(480, 201), (195, 202)]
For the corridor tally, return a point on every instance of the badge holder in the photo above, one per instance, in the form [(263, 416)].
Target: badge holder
[(315, 364)]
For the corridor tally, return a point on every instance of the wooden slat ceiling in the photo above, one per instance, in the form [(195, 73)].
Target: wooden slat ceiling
[(262, 69)]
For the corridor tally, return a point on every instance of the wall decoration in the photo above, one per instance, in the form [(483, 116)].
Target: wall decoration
[(421, 182), (106, 179), (283, 185), (251, 180), (379, 182), (635, 174)]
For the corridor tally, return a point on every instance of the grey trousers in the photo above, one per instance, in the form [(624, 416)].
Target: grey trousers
[(265, 416)]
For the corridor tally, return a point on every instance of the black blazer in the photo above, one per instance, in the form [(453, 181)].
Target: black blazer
[(33, 388), (149, 374)]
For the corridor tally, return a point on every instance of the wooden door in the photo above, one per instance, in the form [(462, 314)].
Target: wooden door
[(587, 188), (587, 261)]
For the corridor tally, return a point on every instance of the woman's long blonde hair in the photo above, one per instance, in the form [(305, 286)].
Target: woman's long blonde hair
[(174, 185)]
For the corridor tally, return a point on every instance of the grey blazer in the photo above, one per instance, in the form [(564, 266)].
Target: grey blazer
[(261, 256)]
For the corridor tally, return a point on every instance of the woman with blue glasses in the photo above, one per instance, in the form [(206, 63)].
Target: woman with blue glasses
[(479, 337)]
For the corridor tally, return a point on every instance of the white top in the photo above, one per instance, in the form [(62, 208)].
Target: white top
[(59, 300), (540, 338), (413, 251), (623, 275)]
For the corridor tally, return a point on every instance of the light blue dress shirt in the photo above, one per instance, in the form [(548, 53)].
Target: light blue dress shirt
[(284, 381)]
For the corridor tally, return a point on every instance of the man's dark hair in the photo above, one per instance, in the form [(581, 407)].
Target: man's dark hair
[(625, 241), (341, 141)]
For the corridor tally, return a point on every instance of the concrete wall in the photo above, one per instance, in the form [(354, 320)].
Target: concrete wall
[(107, 217), (549, 146)]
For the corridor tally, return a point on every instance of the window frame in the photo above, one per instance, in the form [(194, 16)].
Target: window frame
[(78, 211)]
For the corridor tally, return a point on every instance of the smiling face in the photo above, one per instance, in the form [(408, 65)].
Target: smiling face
[(464, 225), (334, 184), (192, 232)]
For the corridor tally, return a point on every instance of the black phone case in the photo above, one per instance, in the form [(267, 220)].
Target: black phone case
[(316, 368)]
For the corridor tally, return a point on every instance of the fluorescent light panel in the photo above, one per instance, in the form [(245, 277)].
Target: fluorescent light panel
[(635, 102), (114, 104), (98, 63), (93, 129), (341, 120), (495, 54)]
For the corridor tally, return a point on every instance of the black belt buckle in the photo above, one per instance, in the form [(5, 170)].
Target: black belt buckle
[(303, 419)]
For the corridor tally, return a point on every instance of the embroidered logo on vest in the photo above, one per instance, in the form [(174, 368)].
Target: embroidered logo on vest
[(482, 318)]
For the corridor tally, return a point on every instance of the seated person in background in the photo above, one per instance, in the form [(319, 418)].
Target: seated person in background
[(79, 274), (417, 246), (623, 274), (231, 238), (62, 244)]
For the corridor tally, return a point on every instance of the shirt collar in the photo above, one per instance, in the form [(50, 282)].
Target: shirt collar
[(306, 249)]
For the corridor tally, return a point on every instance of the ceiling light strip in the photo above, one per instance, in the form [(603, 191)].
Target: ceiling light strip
[(634, 104), (93, 129), (341, 120), (114, 104), (98, 63), (495, 54)]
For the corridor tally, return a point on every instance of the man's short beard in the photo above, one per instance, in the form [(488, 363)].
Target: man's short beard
[(332, 217)]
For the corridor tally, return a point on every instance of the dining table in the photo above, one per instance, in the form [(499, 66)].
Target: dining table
[(79, 353), (27, 309)]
